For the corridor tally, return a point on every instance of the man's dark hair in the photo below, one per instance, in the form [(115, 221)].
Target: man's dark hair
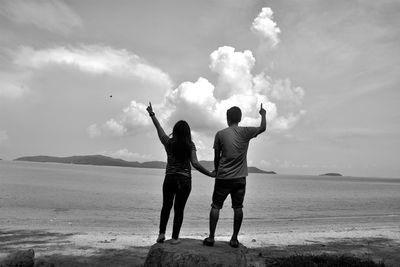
[(234, 115)]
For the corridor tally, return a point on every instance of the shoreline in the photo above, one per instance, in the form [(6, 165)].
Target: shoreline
[(124, 249)]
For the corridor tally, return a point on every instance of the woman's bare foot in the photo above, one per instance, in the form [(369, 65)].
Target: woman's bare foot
[(161, 238), (208, 242), (234, 243)]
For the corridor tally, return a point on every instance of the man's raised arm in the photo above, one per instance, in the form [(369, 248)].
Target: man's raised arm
[(263, 124)]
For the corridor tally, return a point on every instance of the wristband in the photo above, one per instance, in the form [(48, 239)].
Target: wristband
[(151, 114)]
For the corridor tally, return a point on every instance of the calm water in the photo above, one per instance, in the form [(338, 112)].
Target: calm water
[(78, 197)]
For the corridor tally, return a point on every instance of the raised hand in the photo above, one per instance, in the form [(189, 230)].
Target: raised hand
[(150, 109), (262, 111)]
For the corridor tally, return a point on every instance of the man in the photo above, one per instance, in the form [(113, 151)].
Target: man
[(230, 153)]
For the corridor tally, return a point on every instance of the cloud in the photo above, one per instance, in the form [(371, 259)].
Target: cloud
[(204, 105), (51, 15), (287, 122), (265, 28), (125, 154), (133, 119), (193, 101), (94, 130), (124, 72), (233, 69), (3, 136), (93, 59), (12, 85)]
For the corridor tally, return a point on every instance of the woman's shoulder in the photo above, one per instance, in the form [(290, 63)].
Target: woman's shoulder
[(165, 139)]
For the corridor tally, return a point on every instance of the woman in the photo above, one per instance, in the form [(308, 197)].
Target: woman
[(177, 185)]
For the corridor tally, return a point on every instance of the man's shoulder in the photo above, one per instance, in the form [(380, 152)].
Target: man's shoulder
[(243, 128), (222, 131), (247, 128)]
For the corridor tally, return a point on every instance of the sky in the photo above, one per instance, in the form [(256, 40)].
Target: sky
[(76, 77)]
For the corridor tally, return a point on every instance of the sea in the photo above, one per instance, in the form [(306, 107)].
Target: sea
[(278, 209)]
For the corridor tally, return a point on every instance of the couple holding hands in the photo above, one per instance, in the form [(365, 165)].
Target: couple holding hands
[(230, 153)]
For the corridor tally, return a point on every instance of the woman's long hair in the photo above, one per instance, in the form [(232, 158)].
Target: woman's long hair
[(181, 142)]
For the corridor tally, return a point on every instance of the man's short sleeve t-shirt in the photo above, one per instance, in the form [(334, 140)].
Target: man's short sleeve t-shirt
[(233, 143)]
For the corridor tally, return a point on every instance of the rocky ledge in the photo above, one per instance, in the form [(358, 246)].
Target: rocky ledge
[(192, 252), (24, 258)]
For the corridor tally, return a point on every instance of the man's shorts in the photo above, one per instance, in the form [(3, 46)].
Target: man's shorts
[(224, 187)]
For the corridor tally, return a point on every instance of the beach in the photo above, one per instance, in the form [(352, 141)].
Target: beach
[(95, 215), (116, 249)]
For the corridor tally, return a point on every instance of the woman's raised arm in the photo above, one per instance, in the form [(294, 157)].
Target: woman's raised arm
[(160, 130)]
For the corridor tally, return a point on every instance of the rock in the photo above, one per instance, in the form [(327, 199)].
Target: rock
[(43, 263), (21, 258), (192, 252)]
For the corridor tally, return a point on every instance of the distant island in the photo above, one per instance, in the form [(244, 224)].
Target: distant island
[(331, 174), (108, 161)]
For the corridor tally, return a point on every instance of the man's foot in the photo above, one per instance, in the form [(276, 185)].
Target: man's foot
[(175, 241), (161, 238), (208, 242), (234, 243)]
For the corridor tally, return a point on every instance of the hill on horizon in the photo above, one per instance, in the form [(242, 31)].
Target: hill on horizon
[(102, 160)]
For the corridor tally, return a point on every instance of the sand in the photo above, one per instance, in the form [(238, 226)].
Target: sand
[(126, 249)]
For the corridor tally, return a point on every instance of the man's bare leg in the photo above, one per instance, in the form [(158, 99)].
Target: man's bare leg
[(237, 223), (214, 216)]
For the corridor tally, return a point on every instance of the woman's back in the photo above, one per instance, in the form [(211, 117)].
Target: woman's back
[(176, 165)]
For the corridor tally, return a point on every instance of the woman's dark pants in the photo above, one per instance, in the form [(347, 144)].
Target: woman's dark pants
[(176, 187)]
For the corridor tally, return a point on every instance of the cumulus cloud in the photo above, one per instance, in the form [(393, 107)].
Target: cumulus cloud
[(3, 136), (94, 59), (233, 69), (204, 105), (193, 101), (132, 120), (51, 15), (264, 27), (282, 90)]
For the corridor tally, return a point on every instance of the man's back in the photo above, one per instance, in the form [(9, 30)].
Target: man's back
[(230, 162), (233, 143)]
